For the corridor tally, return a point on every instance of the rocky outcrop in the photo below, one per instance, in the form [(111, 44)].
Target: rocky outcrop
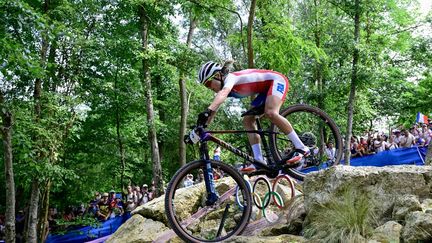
[(389, 232), (383, 185), (401, 197), (418, 227), (138, 230)]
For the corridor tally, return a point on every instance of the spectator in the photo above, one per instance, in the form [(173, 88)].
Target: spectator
[(92, 207), (426, 134), (363, 146), (97, 197), (117, 209), (130, 200), (353, 147), (189, 180), (217, 153), (152, 193), (379, 144), (145, 195), (200, 177), (80, 210), (397, 137), (391, 144), (138, 195), (407, 140), (52, 216), (112, 198), (69, 215), (330, 152), (421, 142), (19, 225), (104, 208)]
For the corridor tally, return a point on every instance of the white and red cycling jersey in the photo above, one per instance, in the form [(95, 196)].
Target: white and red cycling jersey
[(255, 81)]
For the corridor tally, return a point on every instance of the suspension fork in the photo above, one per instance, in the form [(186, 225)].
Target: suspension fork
[(212, 195)]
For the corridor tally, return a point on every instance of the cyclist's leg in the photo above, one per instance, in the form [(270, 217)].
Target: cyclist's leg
[(272, 107), (249, 123), (254, 139)]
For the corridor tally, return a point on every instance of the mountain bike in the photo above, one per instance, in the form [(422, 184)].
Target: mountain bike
[(207, 211)]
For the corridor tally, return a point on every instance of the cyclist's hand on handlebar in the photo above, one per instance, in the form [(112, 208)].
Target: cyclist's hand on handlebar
[(191, 138), (203, 117)]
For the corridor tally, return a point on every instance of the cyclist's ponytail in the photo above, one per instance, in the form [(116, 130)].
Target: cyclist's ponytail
[(227, 67)]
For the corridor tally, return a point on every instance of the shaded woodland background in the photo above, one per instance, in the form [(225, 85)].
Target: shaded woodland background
[(96, 95)]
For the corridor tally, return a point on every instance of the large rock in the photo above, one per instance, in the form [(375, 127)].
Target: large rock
[(405, 205), (389, 232), (188, 199), (418, 227), (382, 184), (138, 229)]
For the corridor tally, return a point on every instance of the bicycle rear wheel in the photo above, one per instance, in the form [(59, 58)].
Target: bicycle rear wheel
[(316, 129), (190, 217)]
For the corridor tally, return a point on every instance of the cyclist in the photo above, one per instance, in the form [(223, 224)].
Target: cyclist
[(270, 87)]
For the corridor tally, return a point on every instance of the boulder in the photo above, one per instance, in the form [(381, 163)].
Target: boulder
[(403, 205), (418, 227), (188, 199), (138, 229), (382, 184), (389, 232), (427, 205)]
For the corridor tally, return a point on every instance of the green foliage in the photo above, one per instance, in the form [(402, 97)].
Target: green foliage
[(346, 217), (92, 95)]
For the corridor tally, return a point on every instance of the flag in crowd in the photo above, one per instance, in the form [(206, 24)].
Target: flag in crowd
[(421, 118)]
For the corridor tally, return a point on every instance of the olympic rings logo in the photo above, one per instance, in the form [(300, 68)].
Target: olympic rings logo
[(271, 193)]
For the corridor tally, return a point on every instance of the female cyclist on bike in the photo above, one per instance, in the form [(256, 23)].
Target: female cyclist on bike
[(270, 87)]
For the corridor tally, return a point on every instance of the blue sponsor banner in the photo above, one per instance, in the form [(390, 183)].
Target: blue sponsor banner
[(401, 156), (89, 233)]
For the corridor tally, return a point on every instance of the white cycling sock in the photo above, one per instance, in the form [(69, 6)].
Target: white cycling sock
[(298, 144), (256, 149)]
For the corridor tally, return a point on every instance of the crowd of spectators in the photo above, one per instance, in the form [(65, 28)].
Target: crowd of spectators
[(372, 143), (190, 181)]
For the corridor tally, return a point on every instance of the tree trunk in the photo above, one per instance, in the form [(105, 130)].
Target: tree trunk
[(33, 213), (119, 137), (183, 98), (37, 93), (146, 82), (249, 34), (43, 221), (351, 102), (9, 174), (319, 76)]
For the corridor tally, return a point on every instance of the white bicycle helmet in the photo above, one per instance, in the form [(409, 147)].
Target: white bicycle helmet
[(207, 70)]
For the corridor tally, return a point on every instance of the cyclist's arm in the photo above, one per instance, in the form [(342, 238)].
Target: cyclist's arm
[(220, 98), (217, 101)]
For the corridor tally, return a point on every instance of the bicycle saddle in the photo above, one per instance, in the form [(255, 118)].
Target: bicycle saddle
[(255, 111)]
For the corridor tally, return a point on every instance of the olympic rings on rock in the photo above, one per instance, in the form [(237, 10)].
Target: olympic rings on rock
[(267, 197), (237, 198), (267, 183), (275, 183), (271, 194)]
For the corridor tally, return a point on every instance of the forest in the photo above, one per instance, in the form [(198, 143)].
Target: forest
[(96, 95)]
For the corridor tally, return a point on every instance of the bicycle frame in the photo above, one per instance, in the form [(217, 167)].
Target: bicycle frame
[(206, 136)]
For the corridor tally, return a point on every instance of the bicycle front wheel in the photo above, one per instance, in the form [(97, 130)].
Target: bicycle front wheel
[(189, 213), (317, 131)]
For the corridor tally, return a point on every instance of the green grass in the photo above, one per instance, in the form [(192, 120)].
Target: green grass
[(345, 218)]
